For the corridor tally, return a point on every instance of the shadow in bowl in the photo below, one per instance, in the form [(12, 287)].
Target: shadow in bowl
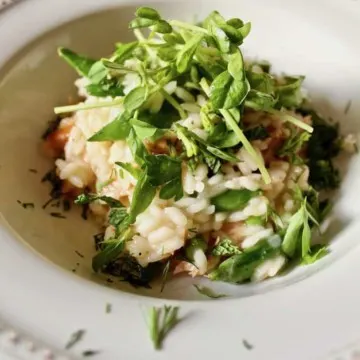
[(31, 84)]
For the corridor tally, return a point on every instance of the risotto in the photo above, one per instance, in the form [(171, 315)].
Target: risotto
[(193, 160)]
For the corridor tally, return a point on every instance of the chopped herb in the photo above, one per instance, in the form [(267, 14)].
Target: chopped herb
[(206, 291), (347, 107), (88, 353), (52, 126), (127, 268), (108, 308), (85, 211), (57, 215), (79, 254), (34, 171), (76, 337), (247, 345), (85, 199), (26, 205), (56, 186), (160, 321), (66, 205), (165, 275), (317, 252)]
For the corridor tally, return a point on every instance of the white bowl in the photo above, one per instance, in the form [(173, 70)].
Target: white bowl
[(34, 80), (317, 39)]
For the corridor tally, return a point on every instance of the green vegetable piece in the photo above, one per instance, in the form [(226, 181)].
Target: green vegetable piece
[(225, 247), (185, 56), (233, 200), (206, 291), (227, 92), (118, 129), (147, 13), (241, 267), (193, 245)]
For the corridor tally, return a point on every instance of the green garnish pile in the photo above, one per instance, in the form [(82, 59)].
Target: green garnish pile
[(205, 60)]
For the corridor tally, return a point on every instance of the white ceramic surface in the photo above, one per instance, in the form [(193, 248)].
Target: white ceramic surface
[(306, 320)]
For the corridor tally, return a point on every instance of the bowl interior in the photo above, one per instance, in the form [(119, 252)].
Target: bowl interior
[(35, 80)]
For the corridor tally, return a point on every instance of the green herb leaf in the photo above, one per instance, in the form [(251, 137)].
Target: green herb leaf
[(80, 63), (117, 216), (236, 65), (84, 199), (233, 200), (145, 130), (185, 56), (316, 253), (293, 145), (137, 147), (124, 51), (225, 248), (97, 72), (141, 23), (135, 99), (75, 338), (163, 27), (162, 168), (133, 171), (293, 233), (160, 322), (227, 92), (144, 194), (173, 189), (289, 94), (118, 129), (147, 13), (206, 291), (305, 239)]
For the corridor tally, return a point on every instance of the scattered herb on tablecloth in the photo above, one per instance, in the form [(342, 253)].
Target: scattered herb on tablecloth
[(75, 337)]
